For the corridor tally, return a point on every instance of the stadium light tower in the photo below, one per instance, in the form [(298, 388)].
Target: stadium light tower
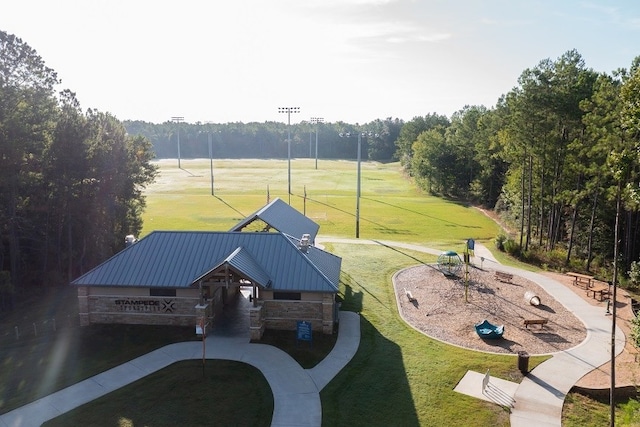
[(178, 120), (317, 120), (360, 135), (289, 111)]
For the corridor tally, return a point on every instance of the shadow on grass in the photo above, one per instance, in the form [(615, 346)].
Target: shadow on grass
[(419, 213), (381, 227), (373, 389), (227, 393), (400, 252), (231, 207), (355, 304), (33, 368)]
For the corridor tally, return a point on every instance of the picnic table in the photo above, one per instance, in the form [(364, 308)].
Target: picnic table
[(581, 280), (601, 290)]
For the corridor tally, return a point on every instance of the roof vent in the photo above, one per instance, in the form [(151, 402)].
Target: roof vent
[(304, 243), (129, 240)]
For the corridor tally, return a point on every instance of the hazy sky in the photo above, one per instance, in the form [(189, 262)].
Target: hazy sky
[(342, 60)]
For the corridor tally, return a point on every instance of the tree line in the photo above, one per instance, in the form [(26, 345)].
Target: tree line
[(558, 157), (268, 140), (70, 181)]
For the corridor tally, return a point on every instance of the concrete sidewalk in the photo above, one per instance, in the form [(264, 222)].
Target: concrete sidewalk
[(295, 390), (537, 401), (539, 398)]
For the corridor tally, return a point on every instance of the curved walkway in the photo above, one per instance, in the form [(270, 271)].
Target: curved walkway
[(296, 391), (539, 398)]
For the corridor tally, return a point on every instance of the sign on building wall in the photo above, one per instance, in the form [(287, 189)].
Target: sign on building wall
[(303, 331), (144, 305)]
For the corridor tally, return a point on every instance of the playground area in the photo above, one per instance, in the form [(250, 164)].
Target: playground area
[(442, 307)]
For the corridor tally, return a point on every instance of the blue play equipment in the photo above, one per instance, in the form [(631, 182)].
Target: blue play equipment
[(487, 330)]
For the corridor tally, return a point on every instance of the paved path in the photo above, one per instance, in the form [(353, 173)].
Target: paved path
[(538, 399), (296, 391)]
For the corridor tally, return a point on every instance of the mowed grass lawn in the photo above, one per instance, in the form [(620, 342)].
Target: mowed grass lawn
[(391, 207), (398, 376)]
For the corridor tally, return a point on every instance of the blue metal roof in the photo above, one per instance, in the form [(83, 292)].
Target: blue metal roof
[(178, 259), (242, 262), (283, 218)]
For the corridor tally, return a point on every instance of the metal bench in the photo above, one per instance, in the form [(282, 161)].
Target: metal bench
[(540, 322), (504, 277)]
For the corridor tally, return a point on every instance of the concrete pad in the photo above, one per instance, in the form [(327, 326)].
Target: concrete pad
[(32, 414), (325, 371), (268, 358), (153, 362), (184, 350), (119, 376), (498, 391), (76, 395), (304, 410)]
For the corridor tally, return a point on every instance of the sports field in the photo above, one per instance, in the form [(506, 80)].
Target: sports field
[(397, 377), (391, 207)]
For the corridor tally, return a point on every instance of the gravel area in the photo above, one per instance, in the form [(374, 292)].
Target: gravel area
[(441, 311)]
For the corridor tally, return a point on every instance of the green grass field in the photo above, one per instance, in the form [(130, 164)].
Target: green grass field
[(397, 377), (391, 207)]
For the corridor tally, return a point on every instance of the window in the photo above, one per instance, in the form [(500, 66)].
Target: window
[(295, 296), (162, 292)]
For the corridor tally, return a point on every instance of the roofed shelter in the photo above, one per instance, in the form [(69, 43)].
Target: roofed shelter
[(279, 216), (185, 278)]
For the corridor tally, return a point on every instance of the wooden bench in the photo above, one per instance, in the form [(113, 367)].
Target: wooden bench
[(504, 277), (581, 280), (540, 322), (602, 291)]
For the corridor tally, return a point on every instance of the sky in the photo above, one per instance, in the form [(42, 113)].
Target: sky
[(340, 60)]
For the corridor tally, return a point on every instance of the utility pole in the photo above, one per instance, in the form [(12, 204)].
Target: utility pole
[(178, 120), (317, 121), (288, 111)]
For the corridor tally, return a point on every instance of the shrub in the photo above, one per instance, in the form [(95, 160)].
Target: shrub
[(511, 247), (500, 239), (634, 275), (635, 332)]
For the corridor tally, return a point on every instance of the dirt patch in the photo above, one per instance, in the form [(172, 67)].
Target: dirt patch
[(445, 309), (440, 311), (627, 362)]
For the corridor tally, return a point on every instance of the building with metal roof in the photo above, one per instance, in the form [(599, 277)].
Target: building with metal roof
[(279, 216), (185, 277)]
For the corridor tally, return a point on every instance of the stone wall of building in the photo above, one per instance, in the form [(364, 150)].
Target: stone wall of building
[(284, 314), (135, 306)]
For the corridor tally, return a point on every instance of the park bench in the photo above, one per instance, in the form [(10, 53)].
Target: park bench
[(540, 322), (581, 280), (504, 277)]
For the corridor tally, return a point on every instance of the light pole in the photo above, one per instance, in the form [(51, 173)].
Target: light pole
[(317, 120), (349, 135), (211, 161), (209, 139), (178, 120), (288, 111), (360, 135)]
